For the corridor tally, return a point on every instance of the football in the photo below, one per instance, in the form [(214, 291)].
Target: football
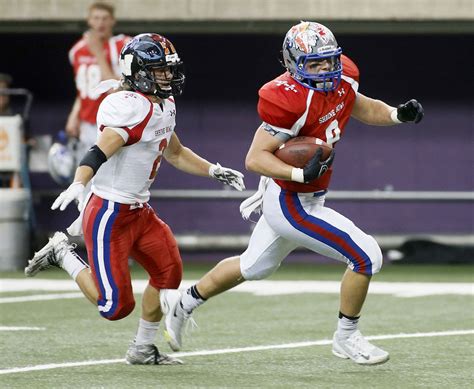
[(299, 150)]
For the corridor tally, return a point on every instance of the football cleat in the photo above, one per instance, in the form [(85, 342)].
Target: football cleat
[(148, 354), (357, 348), (51, 255), (176, 317)]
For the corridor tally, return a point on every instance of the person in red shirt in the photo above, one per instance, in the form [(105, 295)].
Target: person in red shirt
[(315, 97), (94, 58)]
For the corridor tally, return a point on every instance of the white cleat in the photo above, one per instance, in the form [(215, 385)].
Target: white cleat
[(357, 348), (50, 255), (175, 319)]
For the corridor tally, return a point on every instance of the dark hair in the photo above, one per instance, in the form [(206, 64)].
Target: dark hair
[(103, 6)]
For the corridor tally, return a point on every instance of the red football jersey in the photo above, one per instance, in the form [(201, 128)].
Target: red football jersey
[(289, 107), (87, 73)]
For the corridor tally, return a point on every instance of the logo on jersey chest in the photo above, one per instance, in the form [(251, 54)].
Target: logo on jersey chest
[(331, 113), (341, 92), (164, 130)]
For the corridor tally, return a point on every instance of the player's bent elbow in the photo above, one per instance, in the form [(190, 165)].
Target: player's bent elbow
[(249, 163)]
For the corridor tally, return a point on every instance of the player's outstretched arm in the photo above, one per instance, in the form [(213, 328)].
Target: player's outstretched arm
[(183, 158), (378, 113)]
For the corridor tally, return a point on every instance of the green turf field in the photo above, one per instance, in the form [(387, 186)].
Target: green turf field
[(74, 333)]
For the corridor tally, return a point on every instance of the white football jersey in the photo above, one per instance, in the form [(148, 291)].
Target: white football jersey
[(146, 128)]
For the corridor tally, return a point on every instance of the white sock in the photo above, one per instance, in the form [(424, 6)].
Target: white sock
[(146, 332), (346, 327), (191, 299), (73, 264)]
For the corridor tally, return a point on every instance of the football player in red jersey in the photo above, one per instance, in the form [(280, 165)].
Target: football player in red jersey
[(94, 58), (315, 97)]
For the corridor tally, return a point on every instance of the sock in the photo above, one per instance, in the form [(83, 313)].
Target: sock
[(346, 325), (191, 299), (146, 332), (73, 264)]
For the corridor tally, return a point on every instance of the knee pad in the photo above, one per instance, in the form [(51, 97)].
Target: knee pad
[(376, 256)]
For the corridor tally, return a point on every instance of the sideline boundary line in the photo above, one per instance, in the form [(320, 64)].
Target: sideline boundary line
[(323, 342)]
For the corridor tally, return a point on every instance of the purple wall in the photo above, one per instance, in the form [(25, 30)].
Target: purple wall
[(217, 118), (435, 155)]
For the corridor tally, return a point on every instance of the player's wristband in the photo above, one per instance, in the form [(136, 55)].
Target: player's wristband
[(297, 175), (394, 116)]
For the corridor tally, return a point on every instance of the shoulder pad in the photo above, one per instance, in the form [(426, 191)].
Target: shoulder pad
[(349, 68), (123, 109), (282, 101), (285, 92)]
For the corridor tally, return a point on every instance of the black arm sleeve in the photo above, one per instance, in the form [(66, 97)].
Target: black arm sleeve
[(94, 158)]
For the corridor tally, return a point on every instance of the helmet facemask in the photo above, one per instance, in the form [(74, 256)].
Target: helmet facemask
[(324, 81), (146, 82)]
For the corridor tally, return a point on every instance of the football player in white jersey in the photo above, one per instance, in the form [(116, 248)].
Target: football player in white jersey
[(136, 129), (315, 97)]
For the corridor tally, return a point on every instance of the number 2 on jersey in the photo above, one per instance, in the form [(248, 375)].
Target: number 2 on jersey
[(157, 162)]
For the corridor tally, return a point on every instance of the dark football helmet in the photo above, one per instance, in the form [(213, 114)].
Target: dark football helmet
[(152, 51), (309, 41)]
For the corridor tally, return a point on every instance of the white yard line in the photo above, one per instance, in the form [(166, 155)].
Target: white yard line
[(41, 297), (323, 342), (22, 328), (258, 288)]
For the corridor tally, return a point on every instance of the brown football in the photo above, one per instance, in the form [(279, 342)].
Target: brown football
[(299, 150)]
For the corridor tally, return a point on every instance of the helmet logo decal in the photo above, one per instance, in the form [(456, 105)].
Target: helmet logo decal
[(323, 34), (172, 58), (165, 47), (126, 64), (306, 40)]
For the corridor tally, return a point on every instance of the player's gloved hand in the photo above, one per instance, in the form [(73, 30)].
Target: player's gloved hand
[(411, 111), (74, 192), (227, 176), (315, 168)]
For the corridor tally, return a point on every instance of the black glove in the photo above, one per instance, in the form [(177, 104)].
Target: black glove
[(315, 168), (411, 111)]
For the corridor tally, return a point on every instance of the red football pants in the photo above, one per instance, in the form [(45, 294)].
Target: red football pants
[(113, 232)]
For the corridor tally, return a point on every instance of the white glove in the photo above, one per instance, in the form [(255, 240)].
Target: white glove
[(74, 192), (227, 176), (254, 203)]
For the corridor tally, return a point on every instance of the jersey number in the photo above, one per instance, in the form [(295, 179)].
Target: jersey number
[(333, 132), (87, 78), (157, 162)]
